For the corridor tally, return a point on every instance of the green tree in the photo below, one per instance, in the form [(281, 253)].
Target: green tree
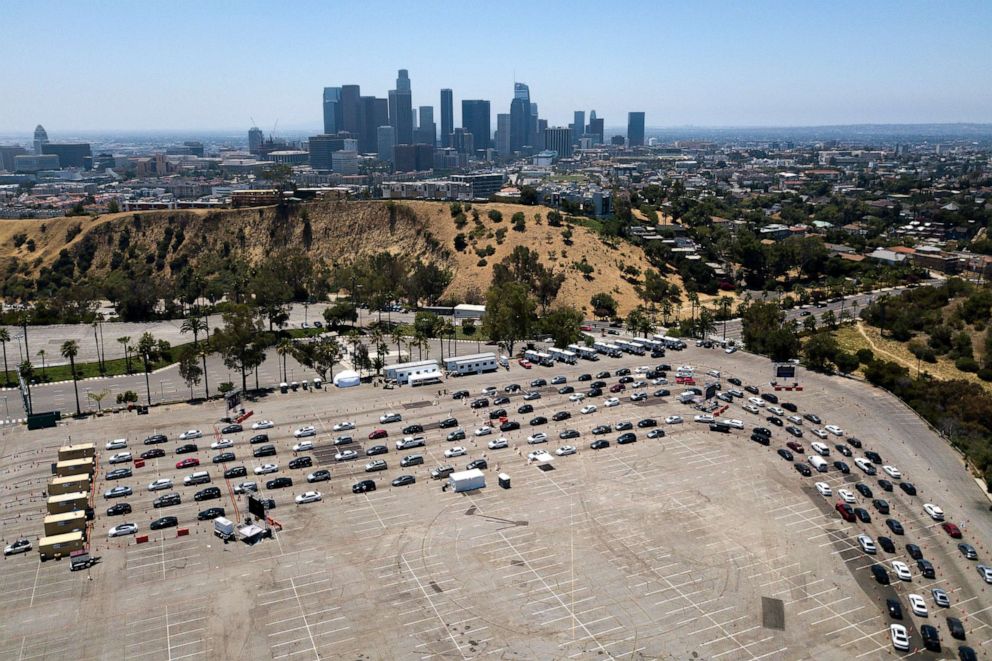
[(603, 305), (340, 311), (125, 344), (239, 343), (283, 349), (190, 370), (44, 374), (194, 325), (510, 314), (638, 322), (562, 324), (69, 351), (764, 332), (846, 362), (147, 348), (4, 339), (203, 351), (820, 351)]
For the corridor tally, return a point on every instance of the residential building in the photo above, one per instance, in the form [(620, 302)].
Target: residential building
[(635, 129), (484, 185), (476, 120), (447, 117)]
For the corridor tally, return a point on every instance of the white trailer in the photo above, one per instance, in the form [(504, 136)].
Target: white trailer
[(545, 359), (587, 353), (563, 355), (629, 347), (469, 480)]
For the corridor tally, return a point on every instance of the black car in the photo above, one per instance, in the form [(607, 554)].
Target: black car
[(789, 406), (887, 544), (537, 383), (414, 429), (873, 457), (763, 440), (403, 480), (602, 375), (601, 429), (231, 429), (525, 408), (480, 403), (119, 509), (882, 576), (457, 435), (626, 379), (854, 442), (561, 415), (629, 437), (914, 551), (594, 392), (598, 384), (662, 392), (894, 607), (459, 394), (842, 467), (512, 387), (775, 420), (499, 401), (734, 380), (118, 474), (496, 414), (752, 390), (720, 427), (155, 439), (481, 464), (210, 513), (164, 522), (599, 444), (881, 505), (210, 493), (539, 420), (258, 438), (803, 469), (186, 449), (762, 431), (647, 422), (321, 475), (931, 639), (509, 425), (812, 417), (623, 371), (264, 451), (154, 453), (236, 471), (965, 653), (908, 487), (844, 450), (968, 551), (566, 390), (956, 628), (862, 514), (785, 454), (376, 449), (279, 483), (585, 377), (770, 398), (926, 568), (301, 462), (363, 486), (885, 484), (795, 431), (569, 433), (223, 458), (863, 489), (895, 526), (448, 422), (167, 500)]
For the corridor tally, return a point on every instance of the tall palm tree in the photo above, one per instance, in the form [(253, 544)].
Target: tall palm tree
[(44, 376), (125, 342), (4, 339), (203, 351), (284, 348), (194, 325), (70, 349), (397, 337)]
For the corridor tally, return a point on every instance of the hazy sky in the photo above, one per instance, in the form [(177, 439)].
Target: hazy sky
[(212, 64)]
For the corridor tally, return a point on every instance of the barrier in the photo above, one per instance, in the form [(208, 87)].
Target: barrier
[(139, 463), (140, 539), (182, 532), (244, 416)]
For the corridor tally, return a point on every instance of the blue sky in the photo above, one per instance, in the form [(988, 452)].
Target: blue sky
[(212, 64)]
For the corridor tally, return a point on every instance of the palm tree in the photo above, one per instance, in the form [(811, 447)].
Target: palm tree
[(284, 348), (194, 325), (124, 341), (4, 339), (397, 337), (202, 352), (41, 352), (70, 349)]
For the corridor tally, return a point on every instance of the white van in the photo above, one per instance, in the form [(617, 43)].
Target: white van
[(818, 463), (820, 448), (199, 477)]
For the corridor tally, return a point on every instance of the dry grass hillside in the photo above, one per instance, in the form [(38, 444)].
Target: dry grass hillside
[(341, 230)]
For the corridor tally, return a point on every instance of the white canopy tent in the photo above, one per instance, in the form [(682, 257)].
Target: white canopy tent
[(347, 379)]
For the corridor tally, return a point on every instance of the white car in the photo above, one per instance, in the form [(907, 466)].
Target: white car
[(824, 489), (795, 419), (611, 402), (867, 544), (456, 451), (730, 349), (122, 529), (835, 430), (308, 497), (900, 638), (390, 417), (643, 369), (902, 570), (539, 437), (935, 512), (19, 546), (819, 433), (190, 435), (344, 426), (303, 446), (263, 424), (120, 458), (246, 487), (265, 469), (303, 432), (498, 443), (221, 444), (117, 444), (537, 454), (673, 420), (847, 496), (565, 450), (577, 397), (918, 605), (588, 408), (751, 408), (893, 472), (777, 410), (484, 430), (733, 422), (345, 455), (160, 484), (757, 401), (704, 417)]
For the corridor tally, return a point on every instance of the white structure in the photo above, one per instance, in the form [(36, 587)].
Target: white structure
[(466, 311), (477, 363), (469, 480), (415, 373), (347, 379)]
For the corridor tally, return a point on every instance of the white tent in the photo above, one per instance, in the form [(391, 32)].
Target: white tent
[(346, 379)]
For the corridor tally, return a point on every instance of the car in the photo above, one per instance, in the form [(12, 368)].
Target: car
[(842, 467), (363, 486), (645, 423), (704, 418), (403, 481), (565, 450), (914, 551), (795, 446), (819, 433), (951, 530), (886, 543), (223, 457), (785, 454), (931, 639), (118, 492), (724, 396), (448, 423), (210, 513), (386, 418), (588, 408), (881, 506), (777, 411), (585, 377), (525, 408), (116, 444), (934, 511), (154, 453), (926, 568), (484, 430), (894, 608), (511, 387), (916, 602), (190, 435), (308, 497), (873, 457), (321, 475), (498, 443), (734, 392), (843, 449), (264, 451), (846, 511), (908, 487), (118, 474), (656, 433), (246, 487), (231, 429), (863, 489), (566, 390), (629, 437), (456, 435), (340, 440), (538, 383), (599, 444), (459, 394), (968, 551), (279, 483), (638, 396), (895, 526), (167, 500), (803, 469), (756, 401), (235, 471), (824, 489), (882, 576), (623, 425), (559, 379), (862, 514), (774, 420), (867, 544), (160, 484), (663, 392), (480, 464), (617, 387), (753, 390), (955, 628), (866, 466), (965, 653), (854, 442), (812, 417), (531, 396), (892, 472), (345, 455), (568, 433), (538, 420), (456, 451), (408, 442), (303, 446), (524, 363), (899, 637), (847, 496), (258, 438), (795, 431), (539, 437), (17, 547), (263, 424), (561, 415), (885, 485), (119, 509), (122, 529), (416, 429), (187, 448), (164, 522), (189, 462), (300, 462), (120, 458), (985, 572), (376, 434), (611, 402), (834, 429), (901, 570), (265, 469), (210, 493)]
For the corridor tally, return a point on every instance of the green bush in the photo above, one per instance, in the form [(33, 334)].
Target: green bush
[(866, 356), (966, 364), (985, 374)]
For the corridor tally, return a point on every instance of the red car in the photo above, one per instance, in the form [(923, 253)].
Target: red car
[(524, 363), (585, 328), (795, 447), (952, 530), (186, 463), (617, 387), (378, 433), (846, 511)]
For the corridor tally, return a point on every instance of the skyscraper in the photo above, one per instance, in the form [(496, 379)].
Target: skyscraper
[(350, 100), (381, 112), (255, 139), (367, 125), (426, 133), (385, 138), (447, 117), (401, 109), (520, 117), (503, 134), (321, 149), (578, 126), (595, 128), (40, 138), (559, 139), (476, 120), (332, 109), (403, 81), (635, 129)]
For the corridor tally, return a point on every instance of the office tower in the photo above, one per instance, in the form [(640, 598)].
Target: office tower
[(475, 119), (413, 158), (367, 124), (462, 141), (386, 140), (321, 148), (7, 154), (426, 133), (559, 139), (520, 117), (635, 129), (595, 128), (381, 112), (503, 134), (578, 126), (345, 162), (255, 139), (542, 125), (403, 81), (350, 100), (447, 117), (401, 116), (195, 147), (71, 154), (535, 135), (332, 109), (40, 138)]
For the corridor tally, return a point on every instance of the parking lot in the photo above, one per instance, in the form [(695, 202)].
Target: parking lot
[(696, 544)]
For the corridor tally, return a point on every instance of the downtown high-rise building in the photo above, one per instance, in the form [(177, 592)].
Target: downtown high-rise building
[(332, 109), (40, 138), (447, 116), (503, 134), (635, 129), (559, 139), (520, 118), (426, 133), (385, 141), (401, 109), (367, 125), (595, 128), (350, 101), (476, 120), (255, 140), (578, 126)]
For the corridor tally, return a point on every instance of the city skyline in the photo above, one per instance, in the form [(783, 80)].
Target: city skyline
[(711, 64)]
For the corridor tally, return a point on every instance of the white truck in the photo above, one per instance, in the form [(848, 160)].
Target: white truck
[(469, 480), (224, 528)]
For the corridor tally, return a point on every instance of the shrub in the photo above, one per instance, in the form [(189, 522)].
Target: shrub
[(966, 364), (495, 216), (481, 262), (460, 242), (866, 356), (985, 374)]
